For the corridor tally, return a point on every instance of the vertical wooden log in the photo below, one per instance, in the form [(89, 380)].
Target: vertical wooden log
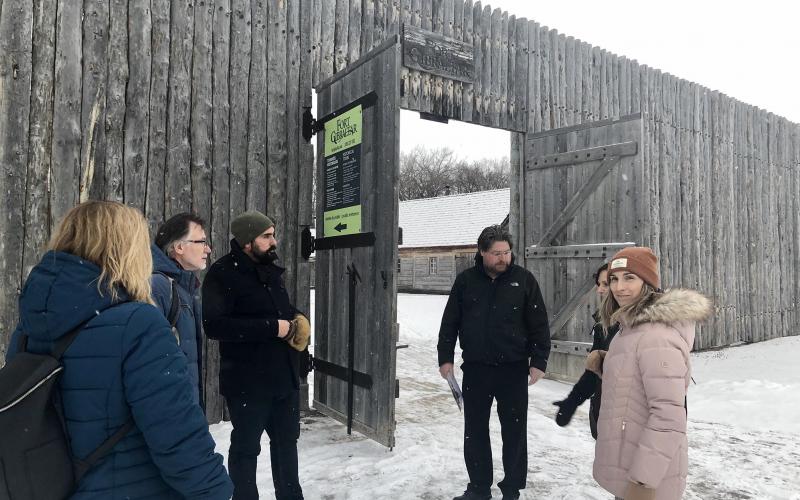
[(493, 76), (501, 104), (113, 186), (95, 52), (241, 43), (426, 81), (569, 81), (327, 33), (477, 49), (521, 76), (221, 66), (340, 35), (16, 65), (367, 25), (354, 32), (437, 84), (257, 139), (157, 136), (276, 115), (534, 80), (293, 134), (137, 110), (305, 208), (467, 89), (37, 204), (177, 183), (201, 125), (457, 94), (380, 23), (316, 36), (586, 82), (66, 151), (447, 83), (545, 54), (393, 18)]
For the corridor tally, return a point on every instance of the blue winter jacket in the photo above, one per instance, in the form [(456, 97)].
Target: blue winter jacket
[(124, 364), (190, 316)]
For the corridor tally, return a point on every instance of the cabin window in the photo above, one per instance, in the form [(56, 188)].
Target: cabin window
[(433, 264)]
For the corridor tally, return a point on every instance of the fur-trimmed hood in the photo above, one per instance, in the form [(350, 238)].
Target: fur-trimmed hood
[(673, 306)]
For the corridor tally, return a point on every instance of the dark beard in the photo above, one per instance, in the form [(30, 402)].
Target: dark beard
[(267, 257)]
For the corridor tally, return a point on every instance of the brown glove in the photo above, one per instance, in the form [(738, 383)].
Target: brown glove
[(299, 332), (594, 362), (636, 491)]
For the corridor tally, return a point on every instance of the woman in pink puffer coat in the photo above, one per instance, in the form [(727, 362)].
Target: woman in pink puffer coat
[(641, 451)]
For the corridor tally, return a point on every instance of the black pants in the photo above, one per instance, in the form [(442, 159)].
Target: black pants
[(251, 415), (508, 384)]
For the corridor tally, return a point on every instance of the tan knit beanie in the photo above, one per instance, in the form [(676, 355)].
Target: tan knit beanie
[(640, 261)]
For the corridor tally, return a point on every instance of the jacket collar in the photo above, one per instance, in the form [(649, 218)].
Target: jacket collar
[(164, 264), (672, 307)]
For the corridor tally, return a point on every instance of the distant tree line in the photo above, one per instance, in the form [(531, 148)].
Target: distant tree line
[(427, 173)]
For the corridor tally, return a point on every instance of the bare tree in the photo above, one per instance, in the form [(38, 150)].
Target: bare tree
[(426, 173)]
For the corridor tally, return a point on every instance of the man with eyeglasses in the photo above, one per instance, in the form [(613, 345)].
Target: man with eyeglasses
[(180, 250), (246, 307), (497, 314)]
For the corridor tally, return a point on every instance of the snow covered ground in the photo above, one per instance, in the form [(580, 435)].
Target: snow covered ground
[(744, 431)]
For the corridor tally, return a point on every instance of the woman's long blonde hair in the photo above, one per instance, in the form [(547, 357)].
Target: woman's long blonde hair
[(115, 238), (611, 313)]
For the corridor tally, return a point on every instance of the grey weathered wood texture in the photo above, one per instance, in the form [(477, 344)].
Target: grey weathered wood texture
[(375, 326), (162, 105), (719, 181)]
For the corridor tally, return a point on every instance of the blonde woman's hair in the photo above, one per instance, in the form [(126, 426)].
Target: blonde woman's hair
[(114, 237), (611, 313)]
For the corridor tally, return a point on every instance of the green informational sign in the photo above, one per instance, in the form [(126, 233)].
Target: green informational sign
[(342, 213)]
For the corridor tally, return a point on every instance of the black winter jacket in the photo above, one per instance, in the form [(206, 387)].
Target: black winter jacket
[(588, 386), (496, 321), (242, 303)]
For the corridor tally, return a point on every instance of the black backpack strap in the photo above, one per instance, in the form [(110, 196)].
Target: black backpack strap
[(81, 467), (22, 345)]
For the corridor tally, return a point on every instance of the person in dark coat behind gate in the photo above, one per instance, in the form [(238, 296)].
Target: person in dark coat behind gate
[(246, 307), (125, 364), (497, 313), (180, 248), (589, 385)]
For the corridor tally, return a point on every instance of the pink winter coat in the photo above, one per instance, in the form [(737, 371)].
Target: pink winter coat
[(641, 431)]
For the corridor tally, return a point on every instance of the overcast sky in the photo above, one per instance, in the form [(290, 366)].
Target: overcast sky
[(747, 50)]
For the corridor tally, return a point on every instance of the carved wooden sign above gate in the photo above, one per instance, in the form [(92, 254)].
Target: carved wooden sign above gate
[(437, 54)]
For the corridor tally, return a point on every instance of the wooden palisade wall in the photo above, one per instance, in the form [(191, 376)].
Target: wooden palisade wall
[(167, 106)]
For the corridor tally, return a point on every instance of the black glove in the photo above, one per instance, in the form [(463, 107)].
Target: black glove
[(566, 409)]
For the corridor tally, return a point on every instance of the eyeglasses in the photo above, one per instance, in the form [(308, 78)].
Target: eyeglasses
[(199, 242), (500, 254)]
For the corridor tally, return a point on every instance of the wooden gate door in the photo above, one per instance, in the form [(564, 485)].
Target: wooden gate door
[(581, 193), (355, 328)]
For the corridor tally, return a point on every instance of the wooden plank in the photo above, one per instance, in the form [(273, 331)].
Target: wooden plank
[(157, 133), (569, 82), (457, 98), (36, 217), (477, 48), (486, 66), (327, 48), (257, 102), (447, 83), (546, 53), (521, 76), (367, 26), (534, 119), (137, 109), (294, 140), (578, 156), (118, 75), (501, 102), (177, 188), (380, 23), (341, 33), (241, 42), (201, 125), (557, 78), (493, 80), (467, 92), (354, 48), (597, 79), (16, 65), (437, 55), (277, 164), (393, 19), (95, 74), (425, 102), (96, 71), (218, 224), (316, 36), (66, 150)]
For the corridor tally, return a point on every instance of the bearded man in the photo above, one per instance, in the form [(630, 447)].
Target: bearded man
[(261, 334)]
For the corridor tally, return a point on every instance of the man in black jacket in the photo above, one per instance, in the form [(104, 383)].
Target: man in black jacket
[(497, 313), (246, 308)]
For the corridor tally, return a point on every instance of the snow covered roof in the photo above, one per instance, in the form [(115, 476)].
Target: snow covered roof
[(453, 220)]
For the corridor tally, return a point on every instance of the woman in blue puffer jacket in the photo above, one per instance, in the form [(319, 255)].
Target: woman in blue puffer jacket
[(125, 364)]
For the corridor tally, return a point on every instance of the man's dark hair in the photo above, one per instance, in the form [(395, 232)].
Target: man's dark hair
[(596, 275), (492, 234), (175, 229)]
